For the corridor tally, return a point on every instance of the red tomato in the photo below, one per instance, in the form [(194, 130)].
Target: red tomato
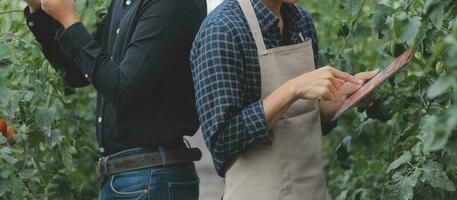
[(10, 132), (3, 126)]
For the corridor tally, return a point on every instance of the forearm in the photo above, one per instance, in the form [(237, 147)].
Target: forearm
[(227, 134), (95, 64), (42, 25), (122, 82), (44, 29), (277, 103)]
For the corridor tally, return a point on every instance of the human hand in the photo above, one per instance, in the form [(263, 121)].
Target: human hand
[(64, 11), (34, 5), (350, 88), (323, 83)]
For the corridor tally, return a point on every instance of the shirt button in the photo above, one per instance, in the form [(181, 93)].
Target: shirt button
[(100, 119), (31, 24), (117, 31), (86, 75), (128, 2), (102, 150)]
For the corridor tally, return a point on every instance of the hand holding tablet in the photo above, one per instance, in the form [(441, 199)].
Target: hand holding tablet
[(383, 75)]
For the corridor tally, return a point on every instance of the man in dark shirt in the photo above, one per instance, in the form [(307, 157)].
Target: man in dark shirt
[(137, 60)]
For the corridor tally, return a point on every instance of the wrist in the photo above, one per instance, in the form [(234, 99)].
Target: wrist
[(68, 21), (32, 9), (293, 90)]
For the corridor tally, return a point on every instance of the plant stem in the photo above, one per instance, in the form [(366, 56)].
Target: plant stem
[(353, 24), (9, 12), (406, 102)]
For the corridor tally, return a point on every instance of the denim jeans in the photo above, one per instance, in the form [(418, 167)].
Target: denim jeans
[(174, 182)]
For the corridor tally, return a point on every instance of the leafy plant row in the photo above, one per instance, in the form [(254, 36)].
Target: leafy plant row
[(55, 153), (404, 146)]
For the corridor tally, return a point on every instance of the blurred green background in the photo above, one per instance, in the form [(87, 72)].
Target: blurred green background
[(404, 146)]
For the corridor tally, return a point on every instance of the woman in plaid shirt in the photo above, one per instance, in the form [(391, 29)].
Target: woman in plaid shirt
[(260, 100)]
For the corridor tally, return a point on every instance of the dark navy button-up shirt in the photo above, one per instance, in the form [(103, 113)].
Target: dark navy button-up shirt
[(226, 73), (138, 61)]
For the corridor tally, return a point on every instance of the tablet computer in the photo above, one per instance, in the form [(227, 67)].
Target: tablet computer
[(371, 84)]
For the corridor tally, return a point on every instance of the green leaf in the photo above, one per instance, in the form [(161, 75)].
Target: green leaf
[(10, 159), (428, 123), (343, 195), (416, 150), (354, 6), (56, 138), (410, 29), (12, 106), (452, 118), (3, 139), (406, 157), (436, 177), (44, 117), (4, 186), (16, 187), (362, 32), (4, 51), (428, 4), (378, 111), (366, 127), (437, 15), (434, 138), (441, 86), (27, 173), (67, 153), (5, 173), (404, 189), (342, 151)]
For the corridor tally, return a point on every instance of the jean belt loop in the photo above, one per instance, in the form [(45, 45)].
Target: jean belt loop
[(163, 156), (105, 165)]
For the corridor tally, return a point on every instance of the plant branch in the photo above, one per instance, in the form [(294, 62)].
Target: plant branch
[(353, 24), (10, 11), (406, 102)]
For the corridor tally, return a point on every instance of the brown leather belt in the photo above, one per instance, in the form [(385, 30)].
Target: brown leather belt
[(109, 166)]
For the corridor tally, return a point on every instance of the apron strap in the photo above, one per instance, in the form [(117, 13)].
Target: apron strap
[(253, 23)]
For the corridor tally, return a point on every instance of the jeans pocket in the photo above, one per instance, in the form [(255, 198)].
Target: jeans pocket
[(184, 190), (129, 185)]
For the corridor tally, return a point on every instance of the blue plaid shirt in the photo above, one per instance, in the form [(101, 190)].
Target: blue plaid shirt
[(226, 73)]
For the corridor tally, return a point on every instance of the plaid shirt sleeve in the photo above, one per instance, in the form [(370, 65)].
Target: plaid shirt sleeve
[(229, 125)]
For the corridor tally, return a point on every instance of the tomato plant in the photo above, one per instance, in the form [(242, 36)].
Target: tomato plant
[(55, 153), (404, 146)]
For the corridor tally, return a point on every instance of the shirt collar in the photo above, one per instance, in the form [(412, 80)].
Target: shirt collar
[(267, 20)]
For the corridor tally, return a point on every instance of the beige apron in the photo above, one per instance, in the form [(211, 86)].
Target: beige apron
[(291, 168)]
